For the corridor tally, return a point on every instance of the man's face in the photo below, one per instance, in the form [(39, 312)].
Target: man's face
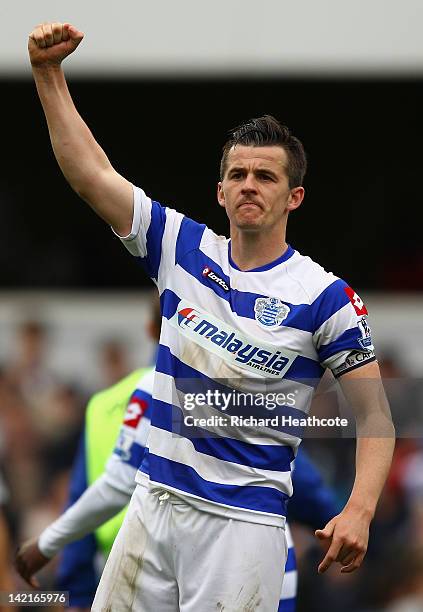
[(255, 190)]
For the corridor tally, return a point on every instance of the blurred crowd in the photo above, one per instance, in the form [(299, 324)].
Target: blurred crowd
[(41, 418)]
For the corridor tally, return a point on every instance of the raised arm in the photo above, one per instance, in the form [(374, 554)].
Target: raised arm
[(81, 159)]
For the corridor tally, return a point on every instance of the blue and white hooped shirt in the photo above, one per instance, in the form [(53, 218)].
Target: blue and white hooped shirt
[(276, 327)]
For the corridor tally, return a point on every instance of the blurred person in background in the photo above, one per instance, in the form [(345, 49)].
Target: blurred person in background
[(52, 405), (40, 424), (27, 368), (38, 407), (21, 461), (114, 363), (400, 584), (405, 394)]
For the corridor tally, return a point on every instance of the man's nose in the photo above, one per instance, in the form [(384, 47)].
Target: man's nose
[(249, 183)]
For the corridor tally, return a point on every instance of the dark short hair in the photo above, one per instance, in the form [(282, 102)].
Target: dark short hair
[(267, 131)]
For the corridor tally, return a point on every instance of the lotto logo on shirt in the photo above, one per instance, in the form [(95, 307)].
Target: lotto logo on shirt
[(229, 343), (134, 412), (208, 273), (356, 301)]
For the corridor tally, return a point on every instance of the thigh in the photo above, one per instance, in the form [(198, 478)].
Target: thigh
[(230, 565), (137, 576)]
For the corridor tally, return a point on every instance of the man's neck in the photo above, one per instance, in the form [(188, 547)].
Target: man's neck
[(250, 250)]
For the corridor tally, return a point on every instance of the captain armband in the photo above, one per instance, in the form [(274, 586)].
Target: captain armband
[(354, 360)]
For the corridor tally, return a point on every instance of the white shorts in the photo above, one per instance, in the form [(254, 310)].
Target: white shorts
[(170, 557)]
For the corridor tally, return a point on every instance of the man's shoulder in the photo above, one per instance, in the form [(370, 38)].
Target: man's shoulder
[(311, 276), (195, 243)]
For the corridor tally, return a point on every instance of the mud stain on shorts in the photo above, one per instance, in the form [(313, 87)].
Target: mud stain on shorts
[(123, 570), (247, 600)]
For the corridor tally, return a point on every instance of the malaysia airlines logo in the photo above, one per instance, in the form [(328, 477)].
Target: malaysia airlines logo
[(208, 273), (187, 316), (356, 301), (229, 343)]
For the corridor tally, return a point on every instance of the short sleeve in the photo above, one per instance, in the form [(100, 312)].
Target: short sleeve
[(342, 335), (153, 235)]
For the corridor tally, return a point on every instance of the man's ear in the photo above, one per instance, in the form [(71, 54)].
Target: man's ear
[(220, 194), (295, 198)]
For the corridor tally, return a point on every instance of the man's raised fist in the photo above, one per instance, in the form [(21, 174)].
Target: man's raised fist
[(50, 43)]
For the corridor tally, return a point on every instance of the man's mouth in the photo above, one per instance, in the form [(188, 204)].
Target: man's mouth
[(249, 204)]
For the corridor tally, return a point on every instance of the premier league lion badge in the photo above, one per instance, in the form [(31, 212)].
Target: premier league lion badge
[(366, 335), (270, 312)]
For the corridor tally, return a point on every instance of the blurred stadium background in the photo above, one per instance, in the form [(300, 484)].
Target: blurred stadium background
[(160, 85)]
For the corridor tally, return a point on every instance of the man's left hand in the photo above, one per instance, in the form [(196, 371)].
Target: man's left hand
[(346, 538)]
